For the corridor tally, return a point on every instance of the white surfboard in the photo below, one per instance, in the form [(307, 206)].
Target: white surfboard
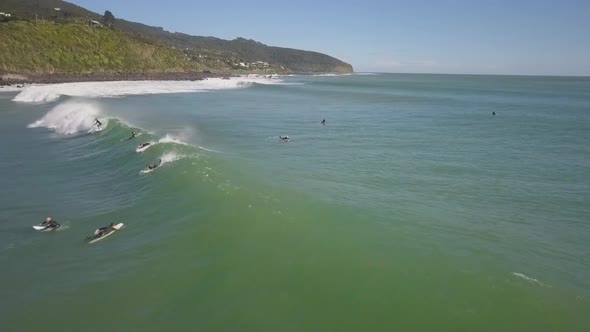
[(45, 228), (145, 171), (140, 150), (116, 228)]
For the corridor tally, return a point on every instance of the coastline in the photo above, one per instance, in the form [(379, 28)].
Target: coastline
[(7, 79)]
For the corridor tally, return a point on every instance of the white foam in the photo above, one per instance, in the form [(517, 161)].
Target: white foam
[(11, 88), (70, 118), (332, 75), (166, 158), (206, 149), (51, 92), (529, 279), (170, 157), (172, 139)]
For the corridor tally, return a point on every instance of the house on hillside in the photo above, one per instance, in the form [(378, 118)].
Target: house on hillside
[(5, 14), (94, 23)]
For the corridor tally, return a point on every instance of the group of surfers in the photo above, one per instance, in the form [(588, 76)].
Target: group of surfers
[(98, 125), (52, 224)]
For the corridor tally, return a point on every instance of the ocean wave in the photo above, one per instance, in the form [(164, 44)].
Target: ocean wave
[(71, 117), (529, 279), (168, 138), (11, 88), (170, 157), (51, 92), (166, 158), (332, 75)]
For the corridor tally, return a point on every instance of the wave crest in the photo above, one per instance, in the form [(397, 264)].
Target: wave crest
[(52, 92), (70, 118)]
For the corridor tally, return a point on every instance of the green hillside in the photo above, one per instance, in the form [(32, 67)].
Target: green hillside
[(105, 50), (36, 47)]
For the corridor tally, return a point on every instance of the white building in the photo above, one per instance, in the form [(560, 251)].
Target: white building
[(95, 23)]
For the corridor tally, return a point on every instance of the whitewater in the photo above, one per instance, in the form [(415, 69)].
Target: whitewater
[(52, 92)]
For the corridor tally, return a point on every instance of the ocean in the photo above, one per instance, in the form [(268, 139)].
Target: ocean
[(414, 208)]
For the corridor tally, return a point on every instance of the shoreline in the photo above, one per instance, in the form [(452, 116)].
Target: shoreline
[(22, 79)]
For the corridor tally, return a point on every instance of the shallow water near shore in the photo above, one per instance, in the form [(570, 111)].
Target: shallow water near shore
[(413, 208)]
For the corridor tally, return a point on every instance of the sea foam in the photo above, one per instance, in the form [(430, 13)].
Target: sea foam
[(51, 92), (70, 118), (529, 279)]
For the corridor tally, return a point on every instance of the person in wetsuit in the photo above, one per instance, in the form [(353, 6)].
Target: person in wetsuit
[(50, 223), (103, 230), (154, 165)]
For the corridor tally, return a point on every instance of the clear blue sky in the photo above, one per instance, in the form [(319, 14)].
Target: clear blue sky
[(486, 37)]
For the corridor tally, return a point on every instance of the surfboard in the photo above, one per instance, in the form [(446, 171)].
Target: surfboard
[(116, 228), (45, 228), (139, 150), (145, 171)]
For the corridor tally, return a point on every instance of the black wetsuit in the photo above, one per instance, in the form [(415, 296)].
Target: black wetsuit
[(50, 224)]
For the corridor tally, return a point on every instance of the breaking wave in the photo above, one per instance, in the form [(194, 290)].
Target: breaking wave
[(52, 92), (71, 117)]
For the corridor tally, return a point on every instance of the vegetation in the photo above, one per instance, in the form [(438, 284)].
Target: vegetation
[(186, 51), (108, 18), (37, 47)]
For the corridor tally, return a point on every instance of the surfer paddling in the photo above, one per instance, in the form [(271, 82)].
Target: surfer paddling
[(154, 166), (49, 223)]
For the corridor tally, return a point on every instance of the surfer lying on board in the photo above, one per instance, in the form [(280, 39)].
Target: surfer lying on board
[(154, 165), (103, 230), (97, 123), (49, 223), (284, 138), (143, 145), (132, 135)]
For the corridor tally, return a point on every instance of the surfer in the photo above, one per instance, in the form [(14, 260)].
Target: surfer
[(132, 135), (97, 123), (143, 145), (102, 231), (50, 223), (284, 138), (324, 122), (150, 167), (493, 113)]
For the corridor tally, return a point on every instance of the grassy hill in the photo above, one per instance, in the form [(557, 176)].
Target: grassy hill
[(37, 47), (184, 51)]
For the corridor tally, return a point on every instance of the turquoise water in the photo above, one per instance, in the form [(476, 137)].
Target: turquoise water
[(413, 209)]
